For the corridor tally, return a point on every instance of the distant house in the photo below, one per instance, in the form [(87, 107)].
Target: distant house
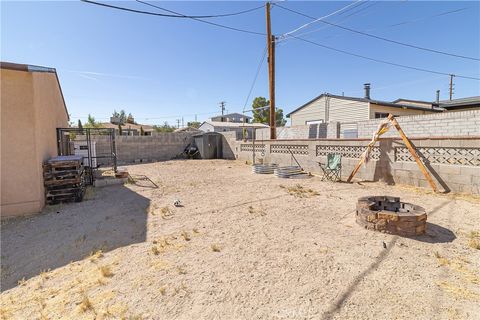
[(328, 107), (188, 129), (232, 117), (32, 109), (216, 126), (462, 104), (130, 129)]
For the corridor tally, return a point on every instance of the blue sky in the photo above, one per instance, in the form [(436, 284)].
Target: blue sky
[(161, 69)]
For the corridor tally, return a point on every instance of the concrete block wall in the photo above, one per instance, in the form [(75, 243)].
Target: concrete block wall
[(134, 149), (445, 124), (453, 163)]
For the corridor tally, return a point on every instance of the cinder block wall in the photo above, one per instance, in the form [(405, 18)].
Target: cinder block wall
[(135, 149), (453, 163), (446, 124)]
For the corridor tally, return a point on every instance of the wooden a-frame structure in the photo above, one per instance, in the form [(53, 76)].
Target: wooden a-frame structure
[(381, 130)]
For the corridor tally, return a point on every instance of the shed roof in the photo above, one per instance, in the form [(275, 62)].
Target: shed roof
[(461, 102)]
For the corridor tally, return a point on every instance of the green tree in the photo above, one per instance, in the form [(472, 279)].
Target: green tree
[(261, 112), (80, 126), (91, 123), (164, 128), (120, 129), (194, 124)]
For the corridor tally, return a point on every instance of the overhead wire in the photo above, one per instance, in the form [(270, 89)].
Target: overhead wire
[(177, 15), (255, 78), (374, 36), (384, 61), (204, 21), (170, 15), (318, 19)]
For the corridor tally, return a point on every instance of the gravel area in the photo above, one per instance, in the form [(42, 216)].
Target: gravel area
[(240, 246)]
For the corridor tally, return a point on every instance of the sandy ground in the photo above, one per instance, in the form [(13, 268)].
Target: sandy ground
[(241, 247)]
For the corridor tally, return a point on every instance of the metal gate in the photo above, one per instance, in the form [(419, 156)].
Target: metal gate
[(95, 145)]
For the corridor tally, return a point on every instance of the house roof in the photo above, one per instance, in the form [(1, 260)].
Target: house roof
[(235, 124), (413, 101), (127, 126), (34, 68), (378, 102), (460, 103), (234, 114), (187, 129)]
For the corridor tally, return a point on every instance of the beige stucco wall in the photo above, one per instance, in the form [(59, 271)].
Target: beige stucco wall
[(31, 109)]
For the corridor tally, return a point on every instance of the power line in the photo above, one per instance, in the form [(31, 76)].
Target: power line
[(204, 21), (318, 19), (376, 37), (392, 25), (170, 15), (255, 78), (383, 61), (177, 15)]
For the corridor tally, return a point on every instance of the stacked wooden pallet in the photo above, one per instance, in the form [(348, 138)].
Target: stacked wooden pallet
[(64, 179)]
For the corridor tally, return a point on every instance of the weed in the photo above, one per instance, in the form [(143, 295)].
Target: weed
[(474, 243), (300, 192), (85, 304), (155, 251), (181, 270), (163, 290), (186, 236), (215, 247), (106, 271), (166, 213), (441, 260), (94, 255), (22, 282)]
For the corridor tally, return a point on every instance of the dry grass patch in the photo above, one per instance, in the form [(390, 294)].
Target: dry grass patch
[(254, 211), (186, 236), (474, 240), (458, 292), (85, 305), (215, 247), (299, 191), (106, 271)]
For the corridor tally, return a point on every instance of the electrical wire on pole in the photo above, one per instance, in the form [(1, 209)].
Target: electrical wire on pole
[(373, 36), (383, 61), (177, 15)]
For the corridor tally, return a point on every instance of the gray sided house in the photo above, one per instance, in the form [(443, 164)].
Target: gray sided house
[(333, 108), (232, 117), (216, 126)]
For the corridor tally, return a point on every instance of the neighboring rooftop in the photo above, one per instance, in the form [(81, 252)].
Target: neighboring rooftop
[(128, 126), (236, 124), (461, 103), (373, 101)]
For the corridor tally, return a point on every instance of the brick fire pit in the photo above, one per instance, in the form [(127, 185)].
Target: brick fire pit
[(389, 215)]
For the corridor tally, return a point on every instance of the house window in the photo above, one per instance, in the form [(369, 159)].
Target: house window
[(380, 115)]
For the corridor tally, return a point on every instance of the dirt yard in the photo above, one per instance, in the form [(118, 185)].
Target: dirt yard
[(242, 246)]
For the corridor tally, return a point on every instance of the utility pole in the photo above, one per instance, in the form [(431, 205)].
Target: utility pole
[(222, 106), (271, 72), (182, 123), (178, 123), (451, 86)]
